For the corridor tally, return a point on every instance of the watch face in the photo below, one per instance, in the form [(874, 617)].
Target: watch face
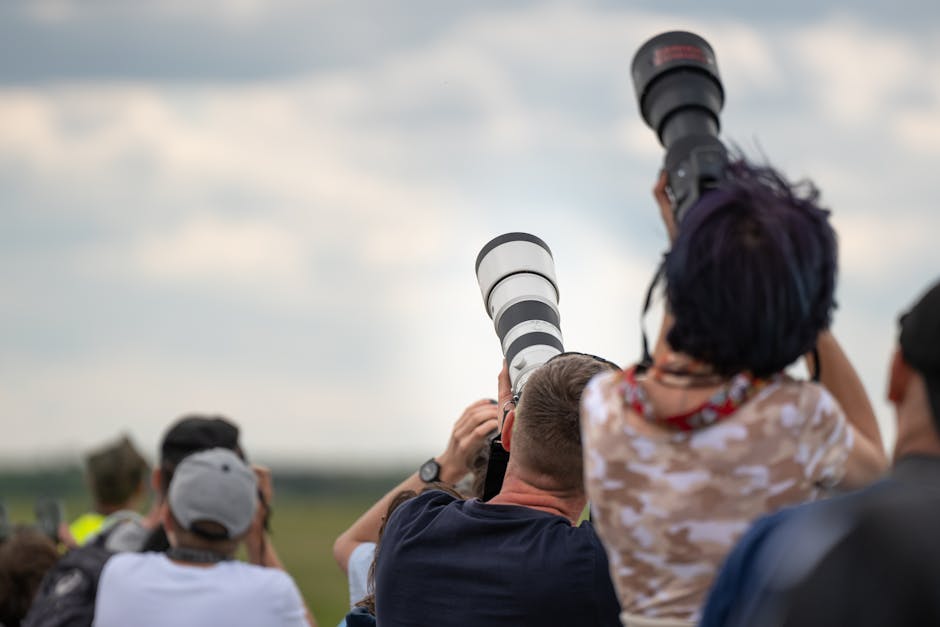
[(429, 471)]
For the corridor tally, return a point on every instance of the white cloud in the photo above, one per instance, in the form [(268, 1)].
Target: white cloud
[(919, 130), (52, 11), (875, 247), (856, 69), (208, 248)]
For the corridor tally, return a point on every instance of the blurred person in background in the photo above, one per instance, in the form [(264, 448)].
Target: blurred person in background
[(211, 507), (868, 558), (684, 452), (117, 477), (521, 558), (354, 549), (25, 557), (66, 596)]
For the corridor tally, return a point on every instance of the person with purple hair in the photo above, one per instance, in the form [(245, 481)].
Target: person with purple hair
[(683, 452)]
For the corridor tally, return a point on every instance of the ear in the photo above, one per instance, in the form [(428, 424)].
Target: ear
[(505, 435), (898, 379), (168, 523)]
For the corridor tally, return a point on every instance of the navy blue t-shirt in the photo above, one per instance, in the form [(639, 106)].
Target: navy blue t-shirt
[(447, 562)]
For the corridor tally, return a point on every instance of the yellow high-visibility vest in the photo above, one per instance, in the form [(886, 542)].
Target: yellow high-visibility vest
[(86, 525)]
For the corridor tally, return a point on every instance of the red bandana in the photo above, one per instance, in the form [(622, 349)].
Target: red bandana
[(722, 404)]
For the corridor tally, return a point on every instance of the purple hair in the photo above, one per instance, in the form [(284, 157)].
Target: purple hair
[(751, 275)]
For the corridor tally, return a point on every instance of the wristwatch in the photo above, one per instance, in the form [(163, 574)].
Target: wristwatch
[(430, 471)]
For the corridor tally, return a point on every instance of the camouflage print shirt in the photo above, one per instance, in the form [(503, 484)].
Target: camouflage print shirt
[(670, 504)]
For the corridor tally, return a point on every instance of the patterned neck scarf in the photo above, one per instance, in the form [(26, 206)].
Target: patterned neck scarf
[(723, 403)]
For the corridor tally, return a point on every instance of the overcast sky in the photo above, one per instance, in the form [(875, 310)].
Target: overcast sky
[(271, 208)]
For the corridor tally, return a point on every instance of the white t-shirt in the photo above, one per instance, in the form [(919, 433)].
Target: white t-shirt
[(360, 561), (149, 590)]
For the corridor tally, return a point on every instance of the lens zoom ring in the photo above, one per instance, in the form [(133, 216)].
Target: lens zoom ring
[(524, 311), (532, 339)]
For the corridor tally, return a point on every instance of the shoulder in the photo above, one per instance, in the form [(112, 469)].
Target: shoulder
[(125, 534), (586, 534), (797, 410), (262, 583), (274, 577), (362, 555), (120, 565), (426, 505), (273, 587), (600, 390), (797, 402), (602, 404)]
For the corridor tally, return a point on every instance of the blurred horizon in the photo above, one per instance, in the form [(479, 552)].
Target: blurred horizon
[(271, 209)]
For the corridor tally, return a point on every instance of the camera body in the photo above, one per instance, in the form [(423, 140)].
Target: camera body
[(680, 95)]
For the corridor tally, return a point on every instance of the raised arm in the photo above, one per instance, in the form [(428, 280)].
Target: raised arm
[(477, 421), (258, 544), (867, 460)]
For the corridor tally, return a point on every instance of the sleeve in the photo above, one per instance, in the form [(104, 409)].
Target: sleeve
[(360, 561), (826, 441), (293, 613)]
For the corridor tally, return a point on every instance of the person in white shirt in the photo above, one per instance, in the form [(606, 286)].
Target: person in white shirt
[(211, 505)]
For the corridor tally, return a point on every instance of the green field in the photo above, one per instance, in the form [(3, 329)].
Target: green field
[(310, 510)]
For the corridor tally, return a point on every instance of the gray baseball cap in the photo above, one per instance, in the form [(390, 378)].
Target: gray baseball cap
[(214, 486)]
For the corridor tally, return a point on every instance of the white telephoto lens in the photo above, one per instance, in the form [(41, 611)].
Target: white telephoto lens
[(516, 273)]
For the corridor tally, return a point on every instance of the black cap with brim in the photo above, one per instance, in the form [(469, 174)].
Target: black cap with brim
[(920, 344), (193, 433)]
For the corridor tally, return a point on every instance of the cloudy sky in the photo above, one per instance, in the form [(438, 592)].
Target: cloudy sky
[(271, 208)]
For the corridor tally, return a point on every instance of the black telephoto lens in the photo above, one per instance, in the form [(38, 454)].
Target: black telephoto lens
[(680, 96)]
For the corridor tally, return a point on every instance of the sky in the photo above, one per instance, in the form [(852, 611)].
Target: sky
[(271, 209)]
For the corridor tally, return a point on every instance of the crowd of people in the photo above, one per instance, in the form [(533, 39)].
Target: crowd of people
[(702, 486)]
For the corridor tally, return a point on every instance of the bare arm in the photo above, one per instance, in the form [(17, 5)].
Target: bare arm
[(258, 544), (661, 348), (867, 460), (468, 435)]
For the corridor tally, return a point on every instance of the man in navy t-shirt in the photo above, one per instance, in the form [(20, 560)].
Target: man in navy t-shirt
[(521, 558)]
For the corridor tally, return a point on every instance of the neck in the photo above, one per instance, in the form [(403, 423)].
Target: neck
[(525, 492), (917, 430), (195, 557), (107, 510), (923, 441)]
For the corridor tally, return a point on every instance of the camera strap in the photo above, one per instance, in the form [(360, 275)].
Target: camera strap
[(817, 364), (495, 469), (646, 359)]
